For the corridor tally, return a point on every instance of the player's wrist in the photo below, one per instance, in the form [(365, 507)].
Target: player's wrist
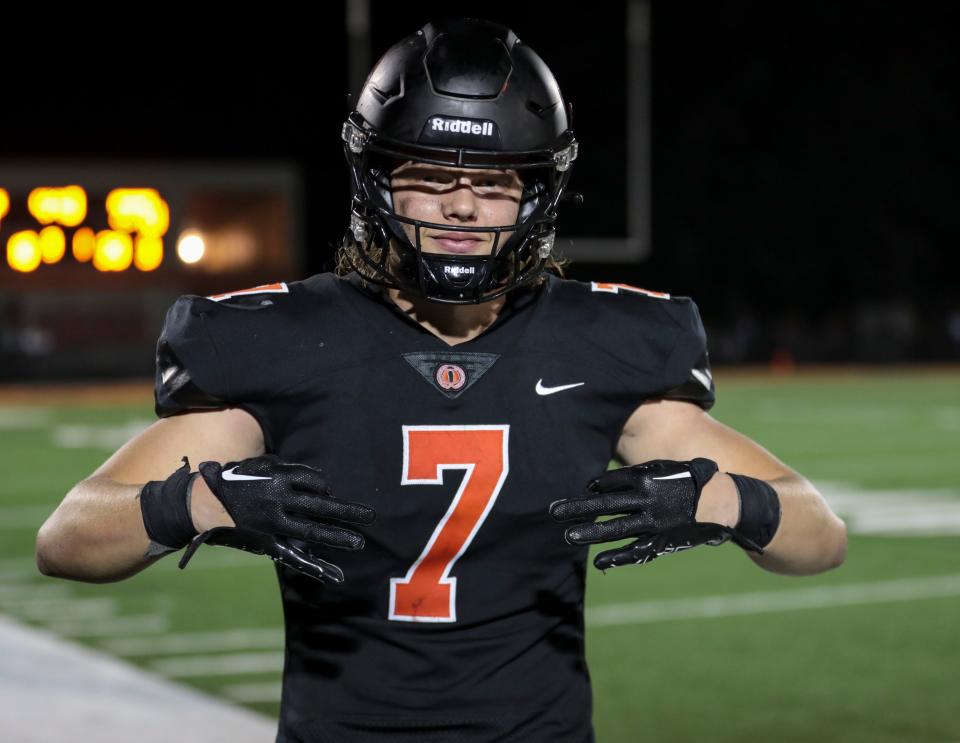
[(719, 501), (206, 510), (164, 507), (759, 513)]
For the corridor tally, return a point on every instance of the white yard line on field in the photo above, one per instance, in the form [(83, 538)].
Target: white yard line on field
[(98, 608), (93, 436), (703, 607), (901, 512), (54, 690), (219, 665), (268, 691), (197, 642), (25, 591), (14, 418), (133, 624)]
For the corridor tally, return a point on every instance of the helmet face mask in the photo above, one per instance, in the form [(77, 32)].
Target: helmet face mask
[(463, 95)]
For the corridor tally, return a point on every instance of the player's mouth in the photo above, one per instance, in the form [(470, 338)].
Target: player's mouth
[(456, 242)]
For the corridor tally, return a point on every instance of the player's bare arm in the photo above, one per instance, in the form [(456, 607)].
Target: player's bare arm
[(97, 533), (809, 539)]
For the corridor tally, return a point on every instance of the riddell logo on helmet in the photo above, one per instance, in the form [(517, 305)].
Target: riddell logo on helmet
[(459, 270), (462, 126)]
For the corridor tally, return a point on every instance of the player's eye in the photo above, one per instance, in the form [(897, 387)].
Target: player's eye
[(437, 180)]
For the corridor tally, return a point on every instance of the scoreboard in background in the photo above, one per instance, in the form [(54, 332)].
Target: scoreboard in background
[(94, 252), (138, 217)]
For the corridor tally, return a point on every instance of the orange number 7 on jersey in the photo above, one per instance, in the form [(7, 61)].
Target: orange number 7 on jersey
[(427, 593)]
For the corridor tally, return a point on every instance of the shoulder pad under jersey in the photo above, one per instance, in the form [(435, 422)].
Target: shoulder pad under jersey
[(658, 338), (224, 349)]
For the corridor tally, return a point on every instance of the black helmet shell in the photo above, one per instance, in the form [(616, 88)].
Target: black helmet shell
[(463, 93)]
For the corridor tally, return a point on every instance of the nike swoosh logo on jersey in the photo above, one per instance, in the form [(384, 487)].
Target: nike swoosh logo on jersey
[(703, 377), (677, 476), (541, 390), (231, 475)]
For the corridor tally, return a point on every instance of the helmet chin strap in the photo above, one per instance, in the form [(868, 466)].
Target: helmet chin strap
[(451, 277), (455, 280)]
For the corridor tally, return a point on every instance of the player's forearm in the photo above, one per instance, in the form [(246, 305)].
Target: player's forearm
[(96, 535), (810, 538)]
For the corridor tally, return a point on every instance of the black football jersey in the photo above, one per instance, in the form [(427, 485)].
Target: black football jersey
[(462, 618)]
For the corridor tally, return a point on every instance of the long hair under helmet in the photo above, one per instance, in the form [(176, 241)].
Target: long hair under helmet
[(462, 93)]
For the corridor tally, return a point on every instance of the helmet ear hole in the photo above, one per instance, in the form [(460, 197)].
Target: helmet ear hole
[(378, 173), (386, 164), (533, 194)]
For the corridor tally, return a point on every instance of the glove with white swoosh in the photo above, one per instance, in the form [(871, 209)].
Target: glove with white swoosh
[(659, 499), (271, 503)]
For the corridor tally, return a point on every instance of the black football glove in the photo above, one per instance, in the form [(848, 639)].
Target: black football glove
[(272, 501), (659, 498)]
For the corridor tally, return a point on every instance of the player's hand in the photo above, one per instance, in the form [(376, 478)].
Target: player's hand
[(659, 501), (272, 502)]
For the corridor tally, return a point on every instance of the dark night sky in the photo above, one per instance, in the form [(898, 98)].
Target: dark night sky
[(798, 149), (817, 143)]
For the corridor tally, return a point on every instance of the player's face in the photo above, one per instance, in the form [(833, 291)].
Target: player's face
[(458, 197)]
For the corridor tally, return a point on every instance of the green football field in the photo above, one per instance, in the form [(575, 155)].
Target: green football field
[(702, 645)]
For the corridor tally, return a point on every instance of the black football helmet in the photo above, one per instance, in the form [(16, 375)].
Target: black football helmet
[(462, 93)]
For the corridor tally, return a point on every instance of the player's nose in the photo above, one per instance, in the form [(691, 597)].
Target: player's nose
[(461, 202)]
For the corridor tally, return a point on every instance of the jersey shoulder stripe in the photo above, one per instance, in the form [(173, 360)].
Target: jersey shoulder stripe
[(275, 288), (614, 288)]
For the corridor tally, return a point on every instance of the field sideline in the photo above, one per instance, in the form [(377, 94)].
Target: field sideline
[(701, 644)]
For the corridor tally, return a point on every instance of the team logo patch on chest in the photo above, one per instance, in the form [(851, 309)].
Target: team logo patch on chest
[(451, 374), (451, 377)]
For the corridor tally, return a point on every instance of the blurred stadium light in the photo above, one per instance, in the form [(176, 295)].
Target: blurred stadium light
[(94, 252)]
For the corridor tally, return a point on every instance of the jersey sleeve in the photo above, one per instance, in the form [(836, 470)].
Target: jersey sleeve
[(687, 375), (653, 343), (188, 371), (217, 354)]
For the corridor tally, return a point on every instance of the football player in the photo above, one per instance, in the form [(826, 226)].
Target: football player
[(419, 440)]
